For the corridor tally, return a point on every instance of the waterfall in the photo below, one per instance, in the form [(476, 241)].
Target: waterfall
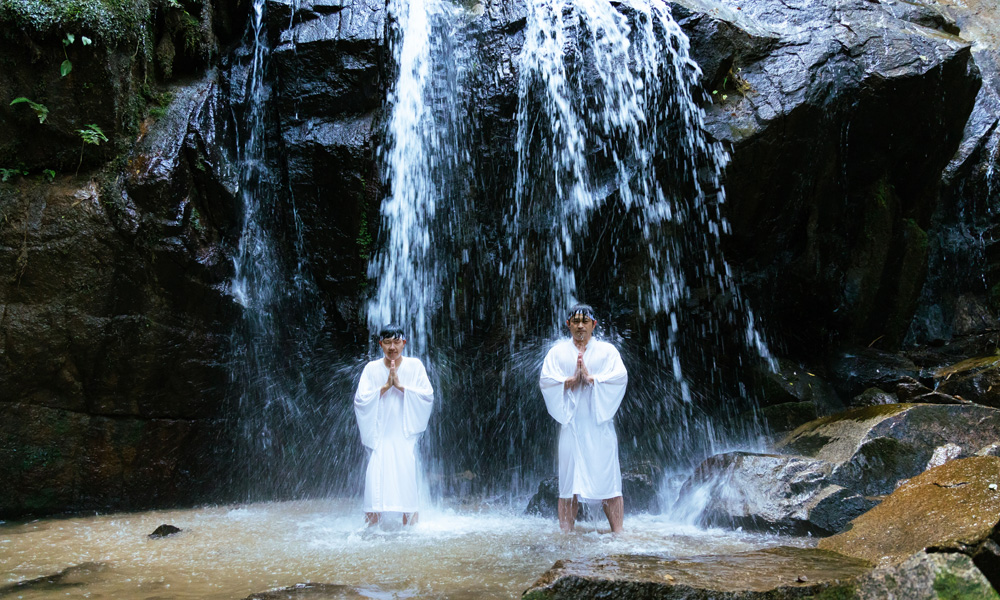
[(615, 172), (612, 172), (422, 153), (271, 284)]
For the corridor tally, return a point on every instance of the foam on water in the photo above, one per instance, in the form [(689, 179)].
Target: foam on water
[(230, 552)]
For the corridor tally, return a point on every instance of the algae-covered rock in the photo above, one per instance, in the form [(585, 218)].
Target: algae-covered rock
[(952, 508), (775, 574)]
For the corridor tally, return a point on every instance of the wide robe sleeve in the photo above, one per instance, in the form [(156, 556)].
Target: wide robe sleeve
[(609, 385), (418, 399), (560, 402), (366, 405)]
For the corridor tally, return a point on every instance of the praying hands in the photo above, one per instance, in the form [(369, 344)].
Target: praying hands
[(393, 380), (581, 376)]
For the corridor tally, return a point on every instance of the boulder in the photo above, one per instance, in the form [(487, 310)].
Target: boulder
[(782, 419), (860, 369), (834, 468), (960, 297), (767, 492), (163, 531), (774, 574), (313, 591), (976, 379), (923, 576), (777, 574), (873, 396), (953, 508), (796, 383), (873, 448), (839, 254)]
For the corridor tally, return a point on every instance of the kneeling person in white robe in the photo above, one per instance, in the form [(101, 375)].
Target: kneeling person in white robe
[(392, 404), (583, 381)]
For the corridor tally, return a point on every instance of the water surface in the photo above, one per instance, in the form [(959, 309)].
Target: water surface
[(231, 552)]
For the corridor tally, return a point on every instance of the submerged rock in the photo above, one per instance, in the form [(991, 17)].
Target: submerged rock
[(315, 591), (163, 531), (775, 574)]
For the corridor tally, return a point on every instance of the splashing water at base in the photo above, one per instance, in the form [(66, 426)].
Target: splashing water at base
[(231, 552)]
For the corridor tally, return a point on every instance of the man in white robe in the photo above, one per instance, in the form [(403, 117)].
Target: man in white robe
[(392, 404), (583, 381)]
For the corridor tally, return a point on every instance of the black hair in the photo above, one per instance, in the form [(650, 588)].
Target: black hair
[(392, 331), (582, 309)]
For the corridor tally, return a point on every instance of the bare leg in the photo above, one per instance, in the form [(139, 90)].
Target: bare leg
[(614, 508), (373, 518), (411, 518), (567, 513)]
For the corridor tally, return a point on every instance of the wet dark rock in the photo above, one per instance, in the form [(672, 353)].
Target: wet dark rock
[(797, 383), (760, 575), (782, 419), (863, 368), (840, 254), (911, 390), (639, 491), (70, 577), (873, 396), (976, 379), (958, 504), (767, 492), (960, 295), (163, 531), (330, 71), (873, 448), (316, 591), (115, 319)]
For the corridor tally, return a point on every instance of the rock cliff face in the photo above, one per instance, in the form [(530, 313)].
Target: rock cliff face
[(855, 132), (114, 314)]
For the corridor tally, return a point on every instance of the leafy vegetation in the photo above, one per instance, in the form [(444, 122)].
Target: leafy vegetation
[(116, 22), (41, 111), (90, 134), (67, 66)]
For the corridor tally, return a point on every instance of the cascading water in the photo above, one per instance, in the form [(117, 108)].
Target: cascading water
[(615, 173), (422, 153), (275, 292), (616, 200)]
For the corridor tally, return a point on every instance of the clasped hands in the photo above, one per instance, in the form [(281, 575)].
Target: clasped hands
[(581, 377), (393, 380)]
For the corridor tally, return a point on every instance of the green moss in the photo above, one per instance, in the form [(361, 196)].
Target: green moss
[(835, 592), (34, 457), (364, 239), (41, 501), (952, 587), (114, 22)]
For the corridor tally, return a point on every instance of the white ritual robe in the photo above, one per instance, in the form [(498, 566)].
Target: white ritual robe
[(390, 424), (588, 444)]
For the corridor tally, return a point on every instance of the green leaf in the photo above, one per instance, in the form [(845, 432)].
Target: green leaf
[(92, 134), (41, 111), (86, 40), (65, 67), (70, 38)]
